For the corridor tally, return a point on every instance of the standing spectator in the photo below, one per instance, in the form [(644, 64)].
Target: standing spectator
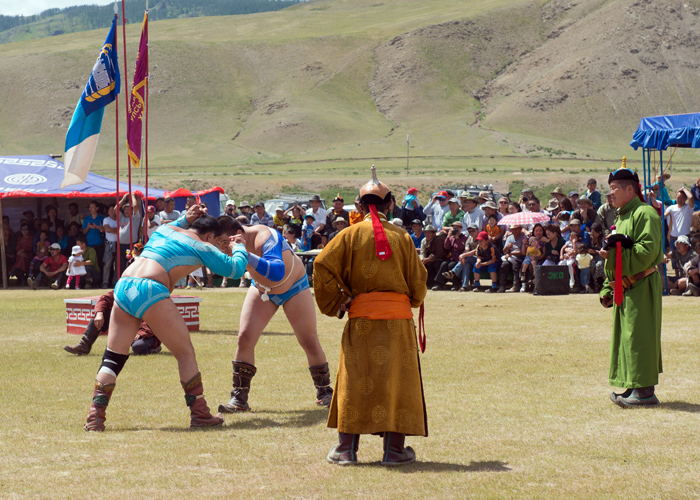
[(129, 227), (436, 209), (503, 206), (411, 209), (663, 192), (92, 228), (558, 194), (75, 271), (319, 214), (230, 209), (607, 214), (593, 194), (52, 217), (635, 346), (307, 233), (514, 208), (573, 198), (73, 215), (246, 209), (681, 215), (261, 217), (525, 196), (62, 239), (334, 213), (10, 243), (169, 214), (532, 252), (152, 221), (472, 213), (513, 255), (455, 214), (189, 201), (454, 244), (294, 243), (53, 268), (278, 218), (586, 213), (160, 205), (583, 262), (417, 234), (296, 219), (695, 193), (434, 253), (552, 207), (109, 261)]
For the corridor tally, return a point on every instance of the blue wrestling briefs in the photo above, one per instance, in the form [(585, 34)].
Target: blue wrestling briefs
[(136, 295), (280, 298)]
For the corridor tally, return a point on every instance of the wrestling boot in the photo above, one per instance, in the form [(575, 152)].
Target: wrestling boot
[(200, 416), (81, 348), (394, 451), (346, 452), (643, 397), (98, 409), (242, 375), (322, 381), (614, 395)]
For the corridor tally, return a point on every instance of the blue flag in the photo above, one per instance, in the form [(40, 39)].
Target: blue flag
[(101, 89)]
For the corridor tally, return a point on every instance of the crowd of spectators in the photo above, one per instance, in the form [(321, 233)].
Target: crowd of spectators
[(459, 238)]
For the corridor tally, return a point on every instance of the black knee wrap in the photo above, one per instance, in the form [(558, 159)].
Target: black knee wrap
[(112, 362)]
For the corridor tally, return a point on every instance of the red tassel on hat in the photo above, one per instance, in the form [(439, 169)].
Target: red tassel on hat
[(619, 289), (381, 242)]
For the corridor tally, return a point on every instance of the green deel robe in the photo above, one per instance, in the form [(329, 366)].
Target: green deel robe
[(635, 347)]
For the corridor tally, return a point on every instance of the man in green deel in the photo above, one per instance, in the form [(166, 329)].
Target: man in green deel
[(634, 291)]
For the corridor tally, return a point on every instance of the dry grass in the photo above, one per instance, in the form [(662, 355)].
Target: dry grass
[(516, 389)]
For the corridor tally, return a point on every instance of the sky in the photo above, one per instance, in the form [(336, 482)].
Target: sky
[(30, 7)]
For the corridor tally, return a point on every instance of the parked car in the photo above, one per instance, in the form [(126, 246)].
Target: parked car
[(289, 200)]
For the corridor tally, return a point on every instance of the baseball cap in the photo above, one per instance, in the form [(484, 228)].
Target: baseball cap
[(442, 194), (453, 200), (259, 204), (412, 191), (417, 221), (483, 235), (572, 193), (151, 208), (230, 202), (279, 207), (56, 246), (574, 222)]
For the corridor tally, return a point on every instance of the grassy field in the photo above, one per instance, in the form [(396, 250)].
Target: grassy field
[(516, 391)]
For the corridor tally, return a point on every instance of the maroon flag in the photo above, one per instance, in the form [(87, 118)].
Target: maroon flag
[(136, 104)]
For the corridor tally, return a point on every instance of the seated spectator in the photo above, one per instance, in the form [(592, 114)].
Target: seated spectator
[(336, 211), (463, 270), (243, 220), (319, 214), (44, 226), (10, 243), (278, 218), (41, 252), (62, 239), (291, 236), (454, 214), (512, 259), (246, 209), (230, 209), (338, 224), (487, 259), (417, 234), (435, 253), (552, 207), (503, 205), (566, 206), (553, 245), (160, 205), (563, 220), (514, 208), (558, 194), (681, 257), (53, 268), (23, 254), (145, 341), (356, 215), (525, 195), (583, 262), (493, 229), (573, 198), (454, 244), (597, 262), (575, 226), (411, 209), (586, 213)]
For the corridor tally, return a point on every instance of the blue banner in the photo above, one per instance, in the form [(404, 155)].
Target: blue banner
[(104, 82)]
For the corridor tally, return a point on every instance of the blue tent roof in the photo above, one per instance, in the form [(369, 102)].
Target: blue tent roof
[(660, 132), (41, 176)]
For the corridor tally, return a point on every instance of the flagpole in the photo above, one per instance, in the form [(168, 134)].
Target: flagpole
[(126, 107), (2, 252), (148, 77), (116, 135)]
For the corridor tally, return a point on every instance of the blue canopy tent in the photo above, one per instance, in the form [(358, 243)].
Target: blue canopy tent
[(658, 133), (27, 179)]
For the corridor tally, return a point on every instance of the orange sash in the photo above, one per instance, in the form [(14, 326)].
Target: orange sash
[(381, 305)]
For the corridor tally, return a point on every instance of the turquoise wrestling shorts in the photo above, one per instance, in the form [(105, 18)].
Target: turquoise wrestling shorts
[(280, 298), (136, 295)]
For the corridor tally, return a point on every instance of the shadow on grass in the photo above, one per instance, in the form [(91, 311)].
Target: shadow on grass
[(298, 419), (227, 333), (277, 334), (681, 406), (419, 466)]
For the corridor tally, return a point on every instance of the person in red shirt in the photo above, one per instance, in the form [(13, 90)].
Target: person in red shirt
[(53, 268)]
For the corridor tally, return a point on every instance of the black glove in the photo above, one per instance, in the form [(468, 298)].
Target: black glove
[(623, 239)]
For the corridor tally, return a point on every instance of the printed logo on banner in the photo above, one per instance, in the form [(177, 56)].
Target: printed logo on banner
[(28, 162), (25, 179)]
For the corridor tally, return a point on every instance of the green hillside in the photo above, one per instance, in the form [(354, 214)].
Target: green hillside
[(340, 83)]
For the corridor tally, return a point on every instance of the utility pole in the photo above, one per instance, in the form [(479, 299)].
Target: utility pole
[(408, 152)]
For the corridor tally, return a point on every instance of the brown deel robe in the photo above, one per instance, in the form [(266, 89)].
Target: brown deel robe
[(378, 387)]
